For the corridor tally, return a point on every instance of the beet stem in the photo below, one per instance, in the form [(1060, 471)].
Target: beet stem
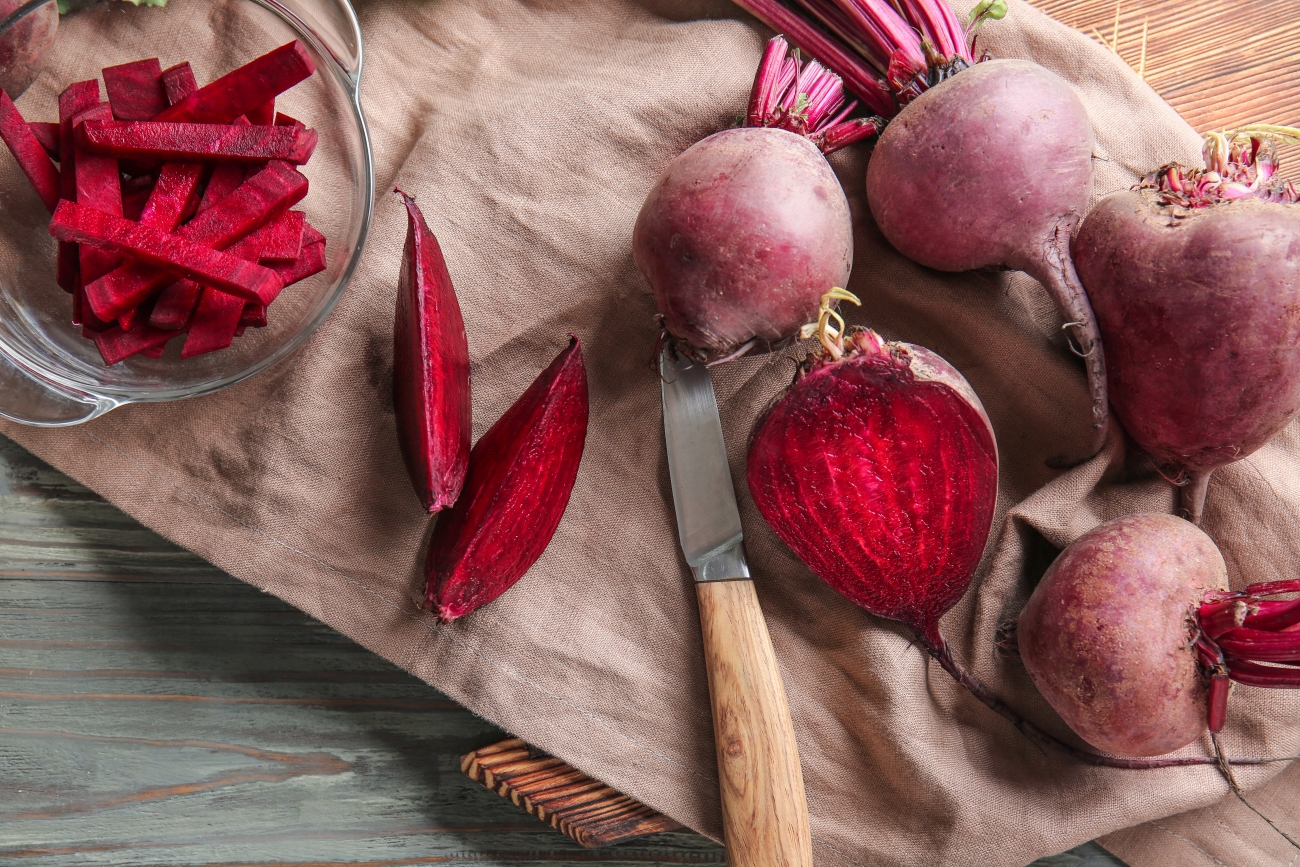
[(1057, 275), (942, 653), (860, 77)]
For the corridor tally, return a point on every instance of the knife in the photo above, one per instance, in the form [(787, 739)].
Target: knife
[(764, 810)]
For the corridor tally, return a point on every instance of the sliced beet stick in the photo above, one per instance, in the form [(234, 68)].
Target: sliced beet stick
[(311, 235), (263, 115), (31, 155), (116, 345), (198, 142), (76, 98), (246, 88), (174, 195), (176, 303), (258, 200), (99, 186), (135, 90), (48, 135), (178, 82), (83, 225), (284, 120), (214, 323)]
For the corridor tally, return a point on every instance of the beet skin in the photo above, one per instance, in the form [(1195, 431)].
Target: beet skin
[(740, 238), (1200, 313), (1105, 635), (993, 168)]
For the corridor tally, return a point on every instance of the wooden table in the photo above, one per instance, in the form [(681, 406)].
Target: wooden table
[(156, 711)]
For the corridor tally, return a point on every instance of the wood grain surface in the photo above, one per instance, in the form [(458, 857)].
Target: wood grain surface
[(764, 811), (1219, 64)]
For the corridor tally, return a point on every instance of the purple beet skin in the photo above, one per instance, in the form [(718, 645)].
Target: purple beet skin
[(746, 232), (1200, 312), (1107, 634), (23, 47), (992, 168)]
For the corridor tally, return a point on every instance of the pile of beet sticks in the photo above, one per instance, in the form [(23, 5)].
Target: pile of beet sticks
[(172, 203)]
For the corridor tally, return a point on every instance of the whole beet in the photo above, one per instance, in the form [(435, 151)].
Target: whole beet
[(740, 238), (1200, 312), (1105, 635), (992, 168), (24, 44)]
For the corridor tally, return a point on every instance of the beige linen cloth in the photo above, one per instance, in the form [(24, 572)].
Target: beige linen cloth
[(530, 133)]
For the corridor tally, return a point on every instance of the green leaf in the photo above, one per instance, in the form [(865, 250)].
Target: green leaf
[(986, 9)]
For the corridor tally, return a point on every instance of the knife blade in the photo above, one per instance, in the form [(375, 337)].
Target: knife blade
[(764, 808)]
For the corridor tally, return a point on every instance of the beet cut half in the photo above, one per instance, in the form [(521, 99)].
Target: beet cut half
[(431, 383), (521, 474)]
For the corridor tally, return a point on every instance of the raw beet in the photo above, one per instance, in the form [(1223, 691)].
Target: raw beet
[(23, 47), (880, 471), (1199, 307), (744, 233), (1105, 635), (31, 155), (521, 473), (992, 168), (431, 384)]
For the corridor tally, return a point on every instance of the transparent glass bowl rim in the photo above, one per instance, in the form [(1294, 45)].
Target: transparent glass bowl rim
[(347, 73)]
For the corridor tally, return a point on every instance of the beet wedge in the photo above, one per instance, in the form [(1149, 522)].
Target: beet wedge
[(80, 224), (193, 142), (258, 200), (521, 474), (135, 90), (431, 390), (31, 155), (245, 89)]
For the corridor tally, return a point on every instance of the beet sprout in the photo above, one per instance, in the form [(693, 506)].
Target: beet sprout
[(1239, 164)]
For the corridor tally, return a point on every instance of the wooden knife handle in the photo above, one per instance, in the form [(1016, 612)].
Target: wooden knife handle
[(764, 810)]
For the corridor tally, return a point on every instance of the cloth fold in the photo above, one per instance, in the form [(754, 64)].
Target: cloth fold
[(530, 132)]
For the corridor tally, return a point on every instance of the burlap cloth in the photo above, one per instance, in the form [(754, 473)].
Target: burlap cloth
[(530, 133)]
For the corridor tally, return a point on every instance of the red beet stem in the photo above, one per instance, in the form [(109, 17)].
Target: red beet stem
[(1270, 588), (938, 25), (1274, 616), (1267, 676), (858, 76), (804, 98), (1259, 645), (1217, 702)]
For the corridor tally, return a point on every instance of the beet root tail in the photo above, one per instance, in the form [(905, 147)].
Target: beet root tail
[(1057, 275)]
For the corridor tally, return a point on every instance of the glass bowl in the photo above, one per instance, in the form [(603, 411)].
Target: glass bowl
[(49, 374)]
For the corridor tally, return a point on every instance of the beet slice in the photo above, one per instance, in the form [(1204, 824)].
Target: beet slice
[(154, 352), (254, 316), (173, 196), (311, 262), (271, 190), (178, 82), (198, 141), (310, 235), (99, 186), (48, 135), (246, 88), (282, 119), (135, 90), (521, 473), (135, 195), (226, 178), (80, 224), (281, 239), (263, 115), (175, 306), (214, 323), (431, 388), (75, 99), (32, 156), (116, 345)]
